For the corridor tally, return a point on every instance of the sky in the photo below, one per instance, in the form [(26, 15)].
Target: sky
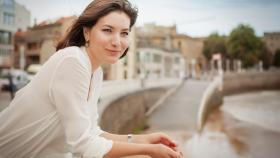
[(196, 18)]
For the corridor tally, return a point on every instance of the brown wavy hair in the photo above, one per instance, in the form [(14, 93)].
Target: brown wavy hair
[(93, 12)]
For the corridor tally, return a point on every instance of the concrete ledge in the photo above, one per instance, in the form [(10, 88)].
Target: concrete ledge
[(129, 112), (251, 81)]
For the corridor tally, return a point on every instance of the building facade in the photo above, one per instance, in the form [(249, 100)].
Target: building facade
[(167, 39), (13, 16), (156, 55), (38, 42), (155, 64), (272, 41), (191, 49)]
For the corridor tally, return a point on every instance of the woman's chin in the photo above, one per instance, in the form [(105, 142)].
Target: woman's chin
[(112, 60)]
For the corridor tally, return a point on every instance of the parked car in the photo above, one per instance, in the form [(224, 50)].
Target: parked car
[(19, 78)]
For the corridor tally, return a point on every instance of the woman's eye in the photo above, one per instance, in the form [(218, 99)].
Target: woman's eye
[(107, 30), (125, 33)]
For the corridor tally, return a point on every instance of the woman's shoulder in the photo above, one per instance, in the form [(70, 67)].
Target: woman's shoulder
[(72, 51), (73, 54)]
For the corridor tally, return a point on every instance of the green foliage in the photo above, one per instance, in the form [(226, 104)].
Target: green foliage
[(243, 44), (141, 127), (214, 44), (276, 61)]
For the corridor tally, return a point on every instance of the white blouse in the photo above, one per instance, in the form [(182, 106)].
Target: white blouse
[(53, 116)]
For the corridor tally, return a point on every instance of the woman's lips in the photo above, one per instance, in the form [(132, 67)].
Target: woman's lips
[(113, 52)]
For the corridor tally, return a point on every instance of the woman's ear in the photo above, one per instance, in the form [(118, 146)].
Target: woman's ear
[(86, 33)]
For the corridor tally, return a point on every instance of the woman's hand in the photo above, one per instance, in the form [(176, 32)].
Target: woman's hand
[(159, 138), (162, 151)]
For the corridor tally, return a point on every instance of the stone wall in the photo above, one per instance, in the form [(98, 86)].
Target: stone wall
[(129, 112), (251, 81)]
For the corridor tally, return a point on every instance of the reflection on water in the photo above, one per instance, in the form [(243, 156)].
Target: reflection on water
[(227, 135), (215, 141)]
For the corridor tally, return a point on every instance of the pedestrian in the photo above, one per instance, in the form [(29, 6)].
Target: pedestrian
[(55, 115), (11, 85)]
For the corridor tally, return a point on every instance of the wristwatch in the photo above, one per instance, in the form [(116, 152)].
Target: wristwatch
[(129, 138)]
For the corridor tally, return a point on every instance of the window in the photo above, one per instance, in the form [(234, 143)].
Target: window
[(147, 57), (138, 57), (32, 46), (8, 2), (4, 53), (5, 37), (179, 44), (177, 60), (8, 19), (157, 58)]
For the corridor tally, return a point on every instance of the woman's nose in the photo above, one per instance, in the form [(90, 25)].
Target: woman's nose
[(116, 41)]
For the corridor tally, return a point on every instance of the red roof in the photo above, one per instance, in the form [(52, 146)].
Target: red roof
[(20, 33)]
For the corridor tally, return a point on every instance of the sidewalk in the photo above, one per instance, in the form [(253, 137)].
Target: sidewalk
[(5, 100), (177, 116), (179, 111)]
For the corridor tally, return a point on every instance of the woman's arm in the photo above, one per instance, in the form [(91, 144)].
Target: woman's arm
[(153, 138), (120, 149), (68, 91), (140, 139)]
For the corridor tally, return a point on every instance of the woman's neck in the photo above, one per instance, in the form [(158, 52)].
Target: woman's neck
[(94, 62)]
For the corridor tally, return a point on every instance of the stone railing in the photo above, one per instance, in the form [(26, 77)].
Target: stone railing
[(124, 104), (251, 81), (234, 83), (113, 90)]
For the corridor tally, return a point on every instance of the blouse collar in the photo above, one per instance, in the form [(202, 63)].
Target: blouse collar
[(85, 54)]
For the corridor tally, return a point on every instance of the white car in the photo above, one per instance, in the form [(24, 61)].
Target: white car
[(19, 77)]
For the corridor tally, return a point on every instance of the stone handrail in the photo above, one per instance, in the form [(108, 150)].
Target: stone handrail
[(211, 97), (113, 90)]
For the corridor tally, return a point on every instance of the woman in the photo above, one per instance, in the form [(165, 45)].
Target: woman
[(60, 119)]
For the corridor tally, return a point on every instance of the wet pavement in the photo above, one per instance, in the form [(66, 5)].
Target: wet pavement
[(179, 111), (177, 116), (5, 100)]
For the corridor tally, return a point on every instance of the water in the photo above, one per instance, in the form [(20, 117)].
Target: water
[(247, 125)]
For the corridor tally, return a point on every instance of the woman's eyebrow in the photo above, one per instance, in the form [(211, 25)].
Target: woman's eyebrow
[(111, 27), (108, 26)]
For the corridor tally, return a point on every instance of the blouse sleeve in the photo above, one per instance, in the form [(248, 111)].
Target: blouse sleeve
[(68, 92)]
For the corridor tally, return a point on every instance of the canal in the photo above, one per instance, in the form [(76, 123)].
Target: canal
[(246, 125)]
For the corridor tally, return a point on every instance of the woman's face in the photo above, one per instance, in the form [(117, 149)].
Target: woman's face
[(108, 38)]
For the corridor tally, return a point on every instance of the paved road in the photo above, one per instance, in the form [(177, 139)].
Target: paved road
[(179, 111), (177, 116)]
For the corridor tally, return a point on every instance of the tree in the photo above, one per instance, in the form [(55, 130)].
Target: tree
[(276, 61), (214, 44), (243, 44), (266, 57)]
